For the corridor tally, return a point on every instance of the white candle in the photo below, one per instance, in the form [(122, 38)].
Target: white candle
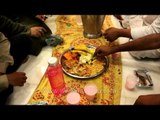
[(90, 91), (73, 98)]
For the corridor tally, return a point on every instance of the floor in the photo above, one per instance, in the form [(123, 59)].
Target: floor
[(36, 66)]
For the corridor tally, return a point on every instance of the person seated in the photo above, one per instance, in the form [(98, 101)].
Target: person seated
[(11, 57), (146, 43), (31, 21), (8, 79), (113, 34), (149, 42)]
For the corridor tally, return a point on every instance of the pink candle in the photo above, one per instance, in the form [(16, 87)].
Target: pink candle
[(90, 91), (73, 98)]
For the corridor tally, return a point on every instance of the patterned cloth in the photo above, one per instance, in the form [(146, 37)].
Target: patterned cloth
[(109, 83)]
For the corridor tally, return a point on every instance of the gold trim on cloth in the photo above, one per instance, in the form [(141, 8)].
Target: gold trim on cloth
[(109, 83)]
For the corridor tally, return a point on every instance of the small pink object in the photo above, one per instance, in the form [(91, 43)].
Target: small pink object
[(131, 82), (73, 98), (90, 91)]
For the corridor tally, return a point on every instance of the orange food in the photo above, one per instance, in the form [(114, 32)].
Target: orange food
[(68, 55)]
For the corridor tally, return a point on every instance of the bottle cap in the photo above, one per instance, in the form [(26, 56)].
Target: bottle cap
[(52, 61)]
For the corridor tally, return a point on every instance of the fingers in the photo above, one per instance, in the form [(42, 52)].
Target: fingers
[(38, 31), (44, 30), (22, 78), (41, 31), (23, 75), (102, 51), (98, 52), (106, 34), (17, 78), (22, 82)]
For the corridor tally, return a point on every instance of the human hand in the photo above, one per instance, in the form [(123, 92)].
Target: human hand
[(153, 99), (41, 17), (37, 31), (103, 51), (17, 78), (112, 34)]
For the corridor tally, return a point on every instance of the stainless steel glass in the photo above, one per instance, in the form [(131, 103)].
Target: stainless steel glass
[(92, 25)]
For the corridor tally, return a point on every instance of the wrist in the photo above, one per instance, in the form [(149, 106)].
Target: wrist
[(115, 49), (125, 33)]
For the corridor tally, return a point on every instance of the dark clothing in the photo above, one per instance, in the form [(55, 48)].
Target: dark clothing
[(10, 28), (31, 21), (4, 94), (18, 35), (20, 49)]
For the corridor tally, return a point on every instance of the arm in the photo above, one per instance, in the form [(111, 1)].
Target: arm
[(112, 33), (15, 79), (145, 43), (148, 42), (10, 28)]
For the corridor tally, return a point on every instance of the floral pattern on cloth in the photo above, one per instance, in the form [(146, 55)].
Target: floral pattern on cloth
[(109, 84)]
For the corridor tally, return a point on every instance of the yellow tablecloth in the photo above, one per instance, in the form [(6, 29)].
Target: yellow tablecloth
[(109, 83)]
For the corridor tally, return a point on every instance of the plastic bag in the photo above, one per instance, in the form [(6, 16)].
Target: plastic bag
[(54, 40), (144, 78)]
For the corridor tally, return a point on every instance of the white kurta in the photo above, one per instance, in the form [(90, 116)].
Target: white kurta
[(142, 31), (142, 25), (132, 21)]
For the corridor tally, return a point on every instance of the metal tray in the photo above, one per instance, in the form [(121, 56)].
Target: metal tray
[(83, 77)]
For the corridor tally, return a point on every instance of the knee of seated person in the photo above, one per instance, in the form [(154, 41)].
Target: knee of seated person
[(20, 44)]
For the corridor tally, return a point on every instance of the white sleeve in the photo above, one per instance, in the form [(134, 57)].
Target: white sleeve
[(146, 30), (3, 82)]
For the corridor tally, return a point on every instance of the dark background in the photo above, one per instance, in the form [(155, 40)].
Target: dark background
[(79, 7)]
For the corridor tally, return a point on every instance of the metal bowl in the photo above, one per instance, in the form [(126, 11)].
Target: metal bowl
[(83, 77)]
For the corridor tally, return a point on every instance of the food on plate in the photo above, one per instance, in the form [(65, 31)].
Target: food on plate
[(80, 61)]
